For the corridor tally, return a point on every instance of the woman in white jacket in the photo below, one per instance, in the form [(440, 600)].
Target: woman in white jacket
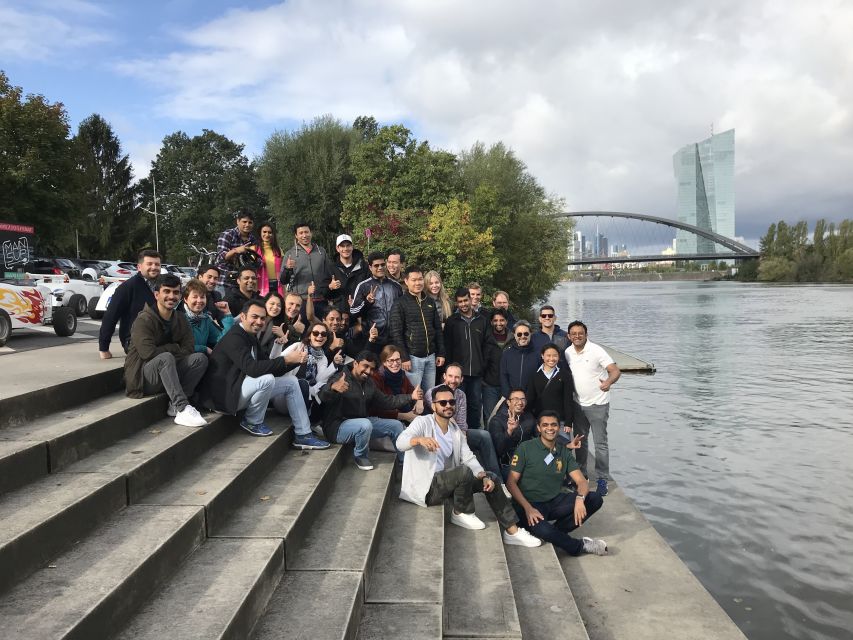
[(317, 368)]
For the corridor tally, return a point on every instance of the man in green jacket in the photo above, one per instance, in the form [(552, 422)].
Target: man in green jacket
[(161, 355)]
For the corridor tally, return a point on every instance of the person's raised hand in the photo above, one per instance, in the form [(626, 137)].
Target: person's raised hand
[(340, 385)]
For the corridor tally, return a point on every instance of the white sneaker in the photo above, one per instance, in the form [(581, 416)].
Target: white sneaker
[(467, 520), (189, 417), (522, 537), (595, 545)]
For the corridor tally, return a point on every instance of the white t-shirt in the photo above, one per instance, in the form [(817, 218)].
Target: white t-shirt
[(445, 447), (589, 370)]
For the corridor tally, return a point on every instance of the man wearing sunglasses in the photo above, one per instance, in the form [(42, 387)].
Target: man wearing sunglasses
[(438, 465), (549, 332), (374, 298), (519, 361)]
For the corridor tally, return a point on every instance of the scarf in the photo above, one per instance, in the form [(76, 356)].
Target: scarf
[(195, 319), (394, 380), (314, 357)]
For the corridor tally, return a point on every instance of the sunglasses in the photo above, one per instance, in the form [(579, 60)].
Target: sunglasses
[(444, 403), (319, 334), (546, 315), (525, 334)]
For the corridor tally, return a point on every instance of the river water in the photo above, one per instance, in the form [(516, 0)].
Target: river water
[(740, 448)]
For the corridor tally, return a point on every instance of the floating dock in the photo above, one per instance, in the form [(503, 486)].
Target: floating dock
[(629, 363)]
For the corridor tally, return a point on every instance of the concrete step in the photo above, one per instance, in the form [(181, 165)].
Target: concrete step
[(409, 565), (153, 455), (45, 517), (224, 477), (478, 596), (219, 592), (313, 605), (34, 384), (344, 536), (410, 621), (287, 501), (95, 586), (73, 434), (545, 604), (21, 462)]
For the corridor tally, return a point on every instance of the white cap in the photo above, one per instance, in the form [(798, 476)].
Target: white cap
[(343, 238)]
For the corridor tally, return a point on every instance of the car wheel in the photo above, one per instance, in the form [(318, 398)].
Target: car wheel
[(77, 303), (93, 309), (5, 327), (64, 321)]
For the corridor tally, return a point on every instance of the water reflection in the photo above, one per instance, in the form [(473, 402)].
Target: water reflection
[(748, 475)]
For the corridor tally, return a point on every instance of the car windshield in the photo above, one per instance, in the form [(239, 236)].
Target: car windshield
[(62, 262), (127, 265)]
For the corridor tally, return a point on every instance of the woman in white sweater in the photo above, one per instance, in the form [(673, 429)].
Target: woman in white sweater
[(317, 368)]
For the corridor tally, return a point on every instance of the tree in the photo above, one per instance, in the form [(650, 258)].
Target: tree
[(37, 173), (767, 245), (455, 248), (776, 269), (306, 173), (111, 225), (200, 182), (393, 171)]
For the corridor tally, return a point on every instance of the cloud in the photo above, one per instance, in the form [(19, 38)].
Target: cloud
[(594, 97), (44, 30)]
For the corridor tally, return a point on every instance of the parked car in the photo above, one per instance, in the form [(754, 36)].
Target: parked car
[(176, 270), (53, 266), (25, 304), (93, 269), (75, 294), (192, 272), (119, 268)]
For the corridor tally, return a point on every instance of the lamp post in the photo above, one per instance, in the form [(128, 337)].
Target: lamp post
[(155, 214)]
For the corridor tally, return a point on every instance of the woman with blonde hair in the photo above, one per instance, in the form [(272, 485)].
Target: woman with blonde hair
[(435, 288)]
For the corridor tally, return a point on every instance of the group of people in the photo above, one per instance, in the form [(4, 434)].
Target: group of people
[(352, 348)]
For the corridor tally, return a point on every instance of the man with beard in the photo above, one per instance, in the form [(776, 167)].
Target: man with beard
[(247, 283)]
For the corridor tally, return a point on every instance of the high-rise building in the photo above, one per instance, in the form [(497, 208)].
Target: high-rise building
[(705, 172)]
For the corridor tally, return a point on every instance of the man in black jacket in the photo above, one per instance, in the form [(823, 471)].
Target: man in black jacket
[(416, 331), (466, 336), (374, 298), (345, 401), (510, 426), (247, 283), (129, 299), (241, 378), (350, 268)]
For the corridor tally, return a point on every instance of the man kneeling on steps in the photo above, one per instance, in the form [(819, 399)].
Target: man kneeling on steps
[(438, 465), (162, 354), (535, 481)]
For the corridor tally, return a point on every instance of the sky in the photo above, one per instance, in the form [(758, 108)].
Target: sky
[(595, 97)]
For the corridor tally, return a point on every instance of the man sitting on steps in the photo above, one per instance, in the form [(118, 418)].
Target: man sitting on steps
[(162, 354), (535, 481), (438, 465)]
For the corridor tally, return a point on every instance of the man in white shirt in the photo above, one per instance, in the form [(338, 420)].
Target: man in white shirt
[(594, 372), (438, 465)]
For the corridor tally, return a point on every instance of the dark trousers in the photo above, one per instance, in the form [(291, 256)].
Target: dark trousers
[(473, 388), (177, 377), (561, 510), (461, 484)]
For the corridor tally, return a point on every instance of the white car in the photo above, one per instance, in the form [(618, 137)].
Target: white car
[(119, 268), (176, 270), (25, 304), (74, 294)]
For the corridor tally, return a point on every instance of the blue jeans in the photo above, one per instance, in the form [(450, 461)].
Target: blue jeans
[(560, 509), (473, 388), (361, 430), (480, 443), (287, 398), (255, 394), (423, 371), (491, 395)]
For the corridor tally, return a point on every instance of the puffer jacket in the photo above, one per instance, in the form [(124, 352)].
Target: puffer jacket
[(517, 367), (416, 327), (466, 343)]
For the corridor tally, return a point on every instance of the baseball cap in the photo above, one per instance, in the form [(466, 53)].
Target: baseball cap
[(343, 238)]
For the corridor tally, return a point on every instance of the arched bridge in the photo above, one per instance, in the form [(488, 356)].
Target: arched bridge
[(707, 242)]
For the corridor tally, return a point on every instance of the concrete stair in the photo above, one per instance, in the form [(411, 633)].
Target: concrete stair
[(120, 524)]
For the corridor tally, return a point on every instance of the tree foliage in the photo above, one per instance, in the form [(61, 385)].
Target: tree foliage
[(38, 181), (305, 175), (788, 256), (200, 182), (110, 222)]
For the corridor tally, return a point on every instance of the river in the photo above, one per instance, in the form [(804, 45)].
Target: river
[(740, 448)]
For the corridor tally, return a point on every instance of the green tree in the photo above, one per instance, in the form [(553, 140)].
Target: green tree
[(819, 238), (200, 181), (747, 271), (776, 269), (38, 179), (305, 174), (111, 225), (767, 245)]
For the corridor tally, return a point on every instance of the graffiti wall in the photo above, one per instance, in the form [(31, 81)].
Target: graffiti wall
[(17, 241)]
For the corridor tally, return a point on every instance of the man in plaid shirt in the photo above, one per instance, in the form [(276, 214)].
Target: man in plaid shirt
[(232, 242)]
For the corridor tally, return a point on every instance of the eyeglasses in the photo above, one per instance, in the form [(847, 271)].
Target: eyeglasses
[(393, 361), (377, 266), (546, 315), (319, 334), (518, 399), (525, 334), (444, 403)]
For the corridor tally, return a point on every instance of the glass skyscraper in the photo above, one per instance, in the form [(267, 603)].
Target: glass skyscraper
[(705, 172)]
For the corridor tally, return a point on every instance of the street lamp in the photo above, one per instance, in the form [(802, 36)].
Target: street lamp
[(155, 214)]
